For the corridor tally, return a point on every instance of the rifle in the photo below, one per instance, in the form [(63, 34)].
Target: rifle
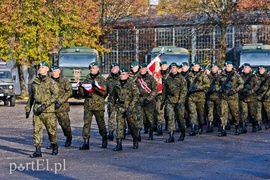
[(191, 89), (259, 91), (243, 92), (223, 87), (212, 87)]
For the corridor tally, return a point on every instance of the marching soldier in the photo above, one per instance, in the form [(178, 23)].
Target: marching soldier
[(263, 94), (43, 95), (212, 99), (198, 83), (125, 94), (248, 98), (230, 84), (175, 90), (62, 105), (93, 89), (148, 90), (111, 80)]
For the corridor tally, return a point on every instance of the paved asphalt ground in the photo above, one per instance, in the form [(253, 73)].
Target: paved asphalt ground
[(205, 156)]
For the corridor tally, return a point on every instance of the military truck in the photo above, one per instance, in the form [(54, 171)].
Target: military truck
[(254, 54), (171, 54), (74, 64), (7, 85)]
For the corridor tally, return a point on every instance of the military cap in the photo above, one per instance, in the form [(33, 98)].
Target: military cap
[(114, 64), (261, 67), (246, 64), (144, 65), (179, 66), (163, 62), (196, 62), (184, 64), (123, 70), (43, 63), (214, 64), (54, 67), (173, 64), (134, 63), (93, 64), (228, 62)]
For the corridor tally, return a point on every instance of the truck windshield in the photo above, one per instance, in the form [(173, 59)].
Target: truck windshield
[(177, 58), (5, 75), (76, 60), (255, 58)]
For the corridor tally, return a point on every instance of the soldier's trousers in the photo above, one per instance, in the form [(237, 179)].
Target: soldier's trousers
[(160, 112), (214, 110), (148, 115), (64, 121), (248, 109), (265, 105), (49, 121), (88, 115), (121, 124), (231, 106), (111, 121), (196, 108), (175, 115)]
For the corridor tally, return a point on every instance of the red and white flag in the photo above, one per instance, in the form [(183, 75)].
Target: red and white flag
[(154, 70)]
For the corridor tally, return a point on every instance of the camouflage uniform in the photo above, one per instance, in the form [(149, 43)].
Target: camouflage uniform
[(44, 91), (111, 80), (196, 99), (175, 91), (94, 105), (186, 111), (248, 101), (229, 98), (263, 94), (65, 92), (213, 101), (147, 109)]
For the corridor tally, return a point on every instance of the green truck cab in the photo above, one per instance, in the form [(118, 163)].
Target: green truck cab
[(74, 64), (7, 85), (256, 54), (170, 54)]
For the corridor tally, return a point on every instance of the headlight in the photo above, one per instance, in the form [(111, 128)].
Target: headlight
[(10, 87)]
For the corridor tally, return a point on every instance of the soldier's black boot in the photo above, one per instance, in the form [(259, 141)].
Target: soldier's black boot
[(150, 135), (182, 136), (85, 145), (37, 153), (124, 134), (237, 130), (139, 135), (267, 125), (210, 127), (259, 127), (135, 143), (68, 141), (145, 128), (159, 130), (118, 146), (128, 131), (54, 149), (110, 136), (223, 131), (193, 130), (244, 127), (171, 138), (200, 129), (228, 127), (254, 127), (49, 147), (104, 142), (219, 128)]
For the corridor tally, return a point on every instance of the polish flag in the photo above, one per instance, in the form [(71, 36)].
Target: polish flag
[(154, 70)]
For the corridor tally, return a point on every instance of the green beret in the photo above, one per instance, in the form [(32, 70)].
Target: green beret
[(163, 62), (135, 63), (196, 62), (228, 62), (246, 64), (144, 65), (179, 66), (214, 64), (261, 67), (93, 64), (123, 70), (173, 64), (43, 63), (54, 67), (114, 64), (184, 64)]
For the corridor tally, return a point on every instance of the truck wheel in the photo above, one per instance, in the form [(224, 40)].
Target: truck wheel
[(12, 101), (6, 102)]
